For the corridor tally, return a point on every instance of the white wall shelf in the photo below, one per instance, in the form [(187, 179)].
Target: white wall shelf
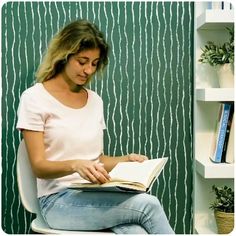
[(209, 25), (215, 19), (209, 170), (215, 94)]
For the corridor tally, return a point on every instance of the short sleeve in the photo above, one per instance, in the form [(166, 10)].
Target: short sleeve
[(30, 114)]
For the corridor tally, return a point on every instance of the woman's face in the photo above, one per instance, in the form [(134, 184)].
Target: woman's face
[(81, 66)]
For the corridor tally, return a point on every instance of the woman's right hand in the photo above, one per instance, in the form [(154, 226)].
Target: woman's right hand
[(45, 169), (92, 171)]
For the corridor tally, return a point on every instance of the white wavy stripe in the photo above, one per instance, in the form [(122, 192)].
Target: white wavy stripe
[(146, 79), (158, 104), (87, 10), (133, 80), (163, 81), (165, 102), (12, 94), (76, 11), (25, 45), (94, 14), (183, 112), (127, 78), (70, 14), (19, 52), (51, 19), (101, 23), (114, 92), (40, 32), (64, 12), (121, 79), (152, 83), (32, 38), (79, 10), (107, 81), (171, 115), (156, 78), (140, 74), (46, 30), (57, 20), (158, 81), (45, 25), (177, 121), (18, 95)]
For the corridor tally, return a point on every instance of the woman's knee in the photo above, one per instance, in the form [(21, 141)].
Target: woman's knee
[(152, 200), (149, 202)]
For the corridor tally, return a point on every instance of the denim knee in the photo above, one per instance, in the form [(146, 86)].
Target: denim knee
[(152, 202)]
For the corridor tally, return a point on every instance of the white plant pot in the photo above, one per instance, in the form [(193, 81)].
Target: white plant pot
[(226, 75)]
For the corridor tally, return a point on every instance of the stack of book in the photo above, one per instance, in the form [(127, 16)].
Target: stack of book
[(221, 5), (223, 139)]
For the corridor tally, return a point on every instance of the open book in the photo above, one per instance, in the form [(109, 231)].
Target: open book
[(128, 176)]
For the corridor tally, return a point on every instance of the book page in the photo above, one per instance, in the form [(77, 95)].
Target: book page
[(138, 172)]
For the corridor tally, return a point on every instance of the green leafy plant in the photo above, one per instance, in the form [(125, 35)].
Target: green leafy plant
[(214, 54), (224, 199)]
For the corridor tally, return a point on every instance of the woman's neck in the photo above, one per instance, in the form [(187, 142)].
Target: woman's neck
[(65, 84)]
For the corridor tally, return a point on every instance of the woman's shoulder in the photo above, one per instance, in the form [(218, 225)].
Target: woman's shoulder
[(33, 90), (33, 94), (94, 95)]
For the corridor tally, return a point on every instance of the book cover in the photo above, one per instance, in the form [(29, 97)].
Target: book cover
[(230, 149), (128, 176), (220, 132)]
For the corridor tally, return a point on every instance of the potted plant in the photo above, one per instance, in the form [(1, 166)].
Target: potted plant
[(223, 207), (221, 56)]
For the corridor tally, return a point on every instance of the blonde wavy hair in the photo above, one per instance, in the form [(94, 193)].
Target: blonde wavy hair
[(73, 38)]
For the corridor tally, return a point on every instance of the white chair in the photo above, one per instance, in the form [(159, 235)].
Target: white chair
[(28, 194)]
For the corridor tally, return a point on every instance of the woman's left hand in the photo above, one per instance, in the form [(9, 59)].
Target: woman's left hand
[(137, 157)]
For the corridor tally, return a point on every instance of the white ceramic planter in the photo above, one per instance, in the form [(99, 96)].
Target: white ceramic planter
[(226, 75)]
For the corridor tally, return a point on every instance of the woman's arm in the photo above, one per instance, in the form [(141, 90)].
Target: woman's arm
[(110, 162), (43, 168)]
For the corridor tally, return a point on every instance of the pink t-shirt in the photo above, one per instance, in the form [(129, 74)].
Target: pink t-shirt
[(68, 133)]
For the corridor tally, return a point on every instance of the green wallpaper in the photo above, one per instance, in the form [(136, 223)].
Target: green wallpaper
[(147, 90)]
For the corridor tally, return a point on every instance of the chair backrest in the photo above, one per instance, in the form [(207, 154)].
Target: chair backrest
[(28, 194), (26, 180)]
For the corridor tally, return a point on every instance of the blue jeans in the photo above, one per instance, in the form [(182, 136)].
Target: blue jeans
[(122, 213)]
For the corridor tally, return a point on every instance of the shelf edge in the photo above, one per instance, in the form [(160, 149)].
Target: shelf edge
[(215, 94), (215, 19), (210, 170)]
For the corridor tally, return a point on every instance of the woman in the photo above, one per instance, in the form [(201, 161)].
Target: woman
[(62, 124)]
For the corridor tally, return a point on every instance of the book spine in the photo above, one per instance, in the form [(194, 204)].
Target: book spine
[(221, 133), (223, 159)]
